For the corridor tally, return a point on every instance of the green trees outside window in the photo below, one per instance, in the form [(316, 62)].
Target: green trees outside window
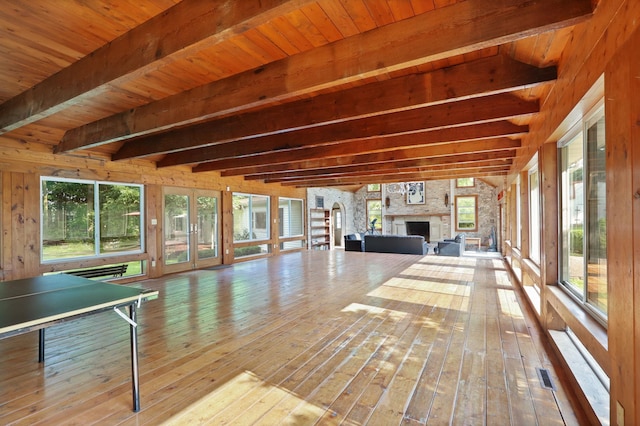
[(88, 218), (466, 212), (583, 246)]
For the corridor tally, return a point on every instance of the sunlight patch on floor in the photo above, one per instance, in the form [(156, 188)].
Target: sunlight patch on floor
[(509, 304), (200, 412), (374, 310), (415, 291)]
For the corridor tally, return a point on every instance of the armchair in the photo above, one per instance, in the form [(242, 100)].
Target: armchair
[(452, 247)]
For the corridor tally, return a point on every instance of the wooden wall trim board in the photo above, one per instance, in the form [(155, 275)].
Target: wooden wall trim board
[(227, 227), (275, 220), (548, 169), (634, 83), (623, 229), (153, 206), (6, 237)]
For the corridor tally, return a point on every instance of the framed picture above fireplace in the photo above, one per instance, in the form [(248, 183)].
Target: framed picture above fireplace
[(415, 193)]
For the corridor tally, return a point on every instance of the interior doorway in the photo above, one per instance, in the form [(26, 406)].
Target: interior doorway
[(337, 216)]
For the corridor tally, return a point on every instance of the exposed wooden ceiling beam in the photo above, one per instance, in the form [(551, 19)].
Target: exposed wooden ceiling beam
[(435, 163), (444, 32), (268, 170), (482, 149), (423, 152), (474, 110), (188, 26), (490, 166), (409, 177), (485, 76), (248, 165)]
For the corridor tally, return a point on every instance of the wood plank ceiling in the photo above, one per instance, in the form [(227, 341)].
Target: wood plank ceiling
[(305, 93)]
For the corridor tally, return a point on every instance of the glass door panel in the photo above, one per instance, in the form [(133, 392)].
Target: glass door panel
[(573, 215), (207, 210), (177, 225), (191, 229)]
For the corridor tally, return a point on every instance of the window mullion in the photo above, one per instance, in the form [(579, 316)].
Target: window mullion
[(96, 218), (585, 202)]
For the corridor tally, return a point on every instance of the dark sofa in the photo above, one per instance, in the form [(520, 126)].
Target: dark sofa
[(454, 247), (404, 244), (353, 242)]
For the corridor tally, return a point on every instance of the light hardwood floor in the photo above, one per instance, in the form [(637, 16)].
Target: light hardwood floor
[(327, 337)]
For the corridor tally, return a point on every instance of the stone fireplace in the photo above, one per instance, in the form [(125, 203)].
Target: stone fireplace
[(398, 225), (413, 227)]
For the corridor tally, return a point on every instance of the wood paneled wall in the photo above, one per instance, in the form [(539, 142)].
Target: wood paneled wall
[(622, 115), (607, 44), (22, 166)]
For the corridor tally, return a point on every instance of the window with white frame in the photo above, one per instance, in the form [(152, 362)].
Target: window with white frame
[(83, 218), (291, 221), (250, 217), (583, 220)]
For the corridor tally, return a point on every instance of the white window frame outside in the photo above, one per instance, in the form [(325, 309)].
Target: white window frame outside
[(251, 218)]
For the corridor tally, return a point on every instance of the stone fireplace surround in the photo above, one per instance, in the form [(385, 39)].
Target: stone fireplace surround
[(398, 227)]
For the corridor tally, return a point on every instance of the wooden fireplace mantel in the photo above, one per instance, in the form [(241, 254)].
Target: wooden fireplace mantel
[(400, 215)]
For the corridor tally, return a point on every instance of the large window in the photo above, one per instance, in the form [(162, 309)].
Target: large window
[(88, 218), (466, 212), (374, 213), (465, 182), (534, 215), (583, 251), (250, 217), (291, 222)]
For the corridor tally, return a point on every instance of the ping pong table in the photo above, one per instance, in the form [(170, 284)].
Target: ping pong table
[(36, 303)]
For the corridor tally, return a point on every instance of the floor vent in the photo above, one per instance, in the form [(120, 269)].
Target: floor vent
[(545, 379)]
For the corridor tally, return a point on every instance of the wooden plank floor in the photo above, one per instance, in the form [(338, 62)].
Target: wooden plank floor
[(317, 337)]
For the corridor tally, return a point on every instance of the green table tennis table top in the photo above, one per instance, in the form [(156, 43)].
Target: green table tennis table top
[(29, 302)]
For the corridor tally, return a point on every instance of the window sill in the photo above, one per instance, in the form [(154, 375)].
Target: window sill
[(587, 360), (532, 268), (591, 388), (534, 298), (515, 264), (586, 328)]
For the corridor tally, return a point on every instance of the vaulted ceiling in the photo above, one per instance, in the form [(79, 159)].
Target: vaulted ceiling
[(304, 93)]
